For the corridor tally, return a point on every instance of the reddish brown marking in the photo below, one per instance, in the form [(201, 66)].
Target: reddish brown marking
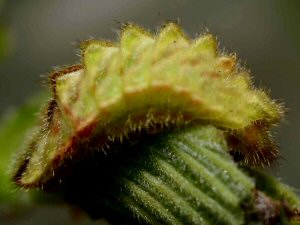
[(269, 211), (53, 76), (192, 62), (69, 113), (23, 165), (87, 130), (76, 146), (253, 145), (47, 118), (212, 74), (51, 119), (228, 64)]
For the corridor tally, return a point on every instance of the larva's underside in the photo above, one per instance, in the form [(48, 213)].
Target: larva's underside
[(143, 83)]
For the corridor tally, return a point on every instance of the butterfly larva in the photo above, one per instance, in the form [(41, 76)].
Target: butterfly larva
[(143, 83)]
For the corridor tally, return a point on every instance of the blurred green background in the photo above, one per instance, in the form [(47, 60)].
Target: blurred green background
[(37, 35)]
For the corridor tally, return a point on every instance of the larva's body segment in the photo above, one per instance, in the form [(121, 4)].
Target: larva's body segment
[(145, 82)]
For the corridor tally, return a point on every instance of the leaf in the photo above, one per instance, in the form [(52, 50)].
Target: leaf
[(14, 126), (141, 83)]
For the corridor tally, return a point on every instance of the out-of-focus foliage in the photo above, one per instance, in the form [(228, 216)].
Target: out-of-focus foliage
[(7, 43), (289, 11), (3, 36), (1, 4), (3, 41)]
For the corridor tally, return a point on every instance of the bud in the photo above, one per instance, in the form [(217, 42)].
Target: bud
[(148, 83)]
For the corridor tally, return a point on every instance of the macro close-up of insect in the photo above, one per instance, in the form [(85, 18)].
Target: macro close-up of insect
[(150, 127)]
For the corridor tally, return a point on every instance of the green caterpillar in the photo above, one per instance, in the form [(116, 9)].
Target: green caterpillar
[(147, 83)]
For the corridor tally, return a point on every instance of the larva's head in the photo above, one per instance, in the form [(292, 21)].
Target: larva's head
[(143, 84)]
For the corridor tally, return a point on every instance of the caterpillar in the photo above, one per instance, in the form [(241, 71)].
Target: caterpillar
[(145, 84)]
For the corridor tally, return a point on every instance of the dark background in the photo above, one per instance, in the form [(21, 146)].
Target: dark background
[(264, 34)]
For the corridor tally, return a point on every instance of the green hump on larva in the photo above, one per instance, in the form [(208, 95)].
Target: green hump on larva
[(142, 82)]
